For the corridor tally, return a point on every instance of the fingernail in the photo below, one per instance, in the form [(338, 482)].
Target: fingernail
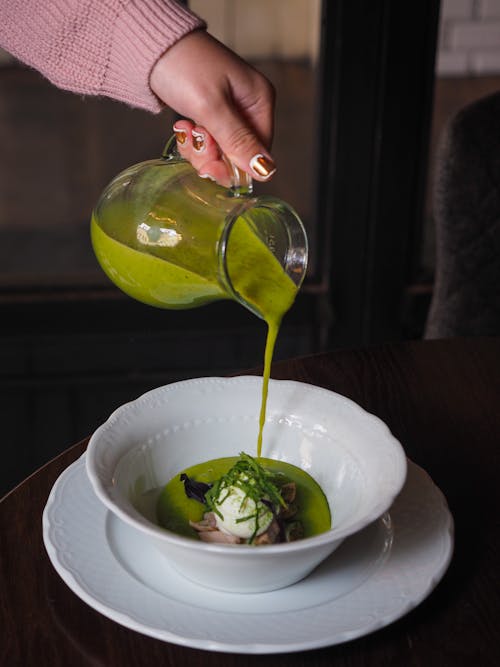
[(180, 135), (198, 141), (262, 166), (209, 176)]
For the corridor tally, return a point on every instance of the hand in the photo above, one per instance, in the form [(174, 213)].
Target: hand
[(230, 106)]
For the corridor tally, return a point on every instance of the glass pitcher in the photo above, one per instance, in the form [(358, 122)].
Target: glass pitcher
[(171, 239)]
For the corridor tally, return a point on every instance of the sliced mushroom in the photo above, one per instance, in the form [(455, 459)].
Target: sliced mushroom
[(218, 537), (294, 531), (207, 524), (288, 492), (270, 536)]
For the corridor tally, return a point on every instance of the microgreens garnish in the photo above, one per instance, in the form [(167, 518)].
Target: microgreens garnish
[(254, 481), (271, 494)]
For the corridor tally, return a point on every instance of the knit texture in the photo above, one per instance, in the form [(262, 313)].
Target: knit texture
[(96, 47), (466, 299)]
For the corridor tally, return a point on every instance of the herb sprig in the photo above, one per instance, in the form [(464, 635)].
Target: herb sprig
[(251, 478), (256, 483)]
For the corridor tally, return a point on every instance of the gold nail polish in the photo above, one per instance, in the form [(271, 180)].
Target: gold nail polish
[(262, 166), (181, 136), (198, 141)]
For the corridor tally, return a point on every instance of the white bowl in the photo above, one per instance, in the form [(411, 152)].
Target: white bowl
[(360, 466)]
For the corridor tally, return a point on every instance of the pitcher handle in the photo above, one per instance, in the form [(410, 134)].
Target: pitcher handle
[(241, 182)]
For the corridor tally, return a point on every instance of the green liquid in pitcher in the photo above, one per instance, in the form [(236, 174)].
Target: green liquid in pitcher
[(149, 279), (255, 273)]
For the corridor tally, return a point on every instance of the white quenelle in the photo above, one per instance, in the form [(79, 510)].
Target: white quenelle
[(239, 511)]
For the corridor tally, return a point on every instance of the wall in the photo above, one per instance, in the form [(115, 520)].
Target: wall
[(469, 41), (264, 28)]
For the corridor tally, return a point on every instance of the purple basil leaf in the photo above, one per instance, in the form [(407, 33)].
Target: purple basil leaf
[(193, 489)]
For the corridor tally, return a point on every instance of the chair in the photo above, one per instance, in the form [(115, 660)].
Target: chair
[(466, 299)]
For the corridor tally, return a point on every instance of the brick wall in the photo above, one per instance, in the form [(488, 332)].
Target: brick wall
[(469, 40)]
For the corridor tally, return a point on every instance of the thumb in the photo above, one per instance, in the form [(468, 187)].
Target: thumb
[(240, 144)]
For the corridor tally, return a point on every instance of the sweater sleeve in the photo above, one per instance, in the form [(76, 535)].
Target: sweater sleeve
[(96, 47)]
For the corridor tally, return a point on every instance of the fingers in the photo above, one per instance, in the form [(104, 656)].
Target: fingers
[(243, 129), (197, 146)]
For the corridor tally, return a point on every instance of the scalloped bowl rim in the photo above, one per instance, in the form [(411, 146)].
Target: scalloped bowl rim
[(103, 485)]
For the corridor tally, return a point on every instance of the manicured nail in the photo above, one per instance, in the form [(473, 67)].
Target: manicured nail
[(180, 135), (198, 141), (209, 176), (262, 166)]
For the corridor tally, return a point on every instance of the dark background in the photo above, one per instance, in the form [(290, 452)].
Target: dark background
[(73, 348)]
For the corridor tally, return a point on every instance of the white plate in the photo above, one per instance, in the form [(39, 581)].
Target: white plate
[(374, 578)]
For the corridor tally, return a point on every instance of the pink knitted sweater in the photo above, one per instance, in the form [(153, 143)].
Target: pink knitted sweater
[(96, 47)]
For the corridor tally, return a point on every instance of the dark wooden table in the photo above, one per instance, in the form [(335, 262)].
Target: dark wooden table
[(441, 399)]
